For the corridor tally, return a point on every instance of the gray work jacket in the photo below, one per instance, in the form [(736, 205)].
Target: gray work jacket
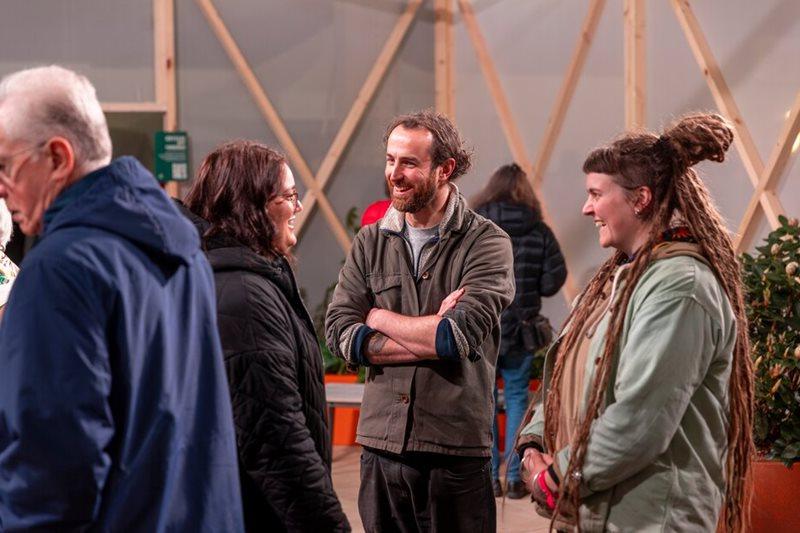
[(440, 406)]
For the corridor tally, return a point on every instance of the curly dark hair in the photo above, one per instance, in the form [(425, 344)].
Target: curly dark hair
[(233, 186), (447, 142)]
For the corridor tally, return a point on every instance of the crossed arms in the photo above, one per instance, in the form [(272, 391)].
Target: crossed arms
[(362, 334), (399, 339)]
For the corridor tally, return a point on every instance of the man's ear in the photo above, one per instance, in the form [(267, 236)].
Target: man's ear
[(61, 158), (447, 168)]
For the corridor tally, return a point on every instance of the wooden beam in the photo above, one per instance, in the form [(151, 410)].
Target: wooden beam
[(164, 61), (635, 64), (357, 110), (556, 120), (273, 119), (513, 137), (133, 107), (719, 89), (443, 53), (764, 195)]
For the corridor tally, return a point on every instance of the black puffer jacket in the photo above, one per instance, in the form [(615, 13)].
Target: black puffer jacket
[(539, 267), (275, 375)]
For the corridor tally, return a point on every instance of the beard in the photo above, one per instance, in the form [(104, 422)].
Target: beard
[(421, 196)]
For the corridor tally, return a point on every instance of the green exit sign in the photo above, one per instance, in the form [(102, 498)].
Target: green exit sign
[(172, 156)]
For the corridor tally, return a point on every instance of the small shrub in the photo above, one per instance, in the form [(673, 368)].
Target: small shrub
[(772, 282)]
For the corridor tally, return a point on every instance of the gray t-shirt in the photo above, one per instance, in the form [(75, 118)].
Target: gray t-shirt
[(416, 239)]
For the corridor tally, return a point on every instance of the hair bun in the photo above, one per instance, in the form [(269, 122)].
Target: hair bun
[(698, 137)]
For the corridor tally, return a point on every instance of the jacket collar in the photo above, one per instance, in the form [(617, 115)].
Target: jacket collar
[(453, 220)]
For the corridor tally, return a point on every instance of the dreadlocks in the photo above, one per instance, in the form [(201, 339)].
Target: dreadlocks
[(663, 163)]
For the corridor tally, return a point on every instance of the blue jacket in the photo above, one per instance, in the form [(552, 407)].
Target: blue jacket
[(114, 407)]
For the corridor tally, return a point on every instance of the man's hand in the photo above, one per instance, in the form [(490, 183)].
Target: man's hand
[(405, 339), (450, 301), (376, 315), (373, 318)]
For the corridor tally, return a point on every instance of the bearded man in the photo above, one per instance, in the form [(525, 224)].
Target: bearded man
[(418, 303)]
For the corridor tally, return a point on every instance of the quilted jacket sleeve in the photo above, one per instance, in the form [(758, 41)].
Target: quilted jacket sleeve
[(275, 445), (554, 268)]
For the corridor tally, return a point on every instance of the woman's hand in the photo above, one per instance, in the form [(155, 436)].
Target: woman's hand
[(534, 461)]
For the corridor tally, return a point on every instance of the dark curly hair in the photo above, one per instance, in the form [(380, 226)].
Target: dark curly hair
[(447, 142), (233, 186)]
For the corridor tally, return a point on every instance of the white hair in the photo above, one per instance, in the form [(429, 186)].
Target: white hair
[(39, 103), (6, 225)]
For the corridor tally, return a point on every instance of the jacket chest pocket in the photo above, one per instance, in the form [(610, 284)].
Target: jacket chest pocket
[(387, 290)]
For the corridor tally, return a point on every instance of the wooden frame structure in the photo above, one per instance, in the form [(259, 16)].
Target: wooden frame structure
[(315, 183), (164, 75), (763, 177)]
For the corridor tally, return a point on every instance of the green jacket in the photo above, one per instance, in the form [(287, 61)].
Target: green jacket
[(440, 406), (656, 455)]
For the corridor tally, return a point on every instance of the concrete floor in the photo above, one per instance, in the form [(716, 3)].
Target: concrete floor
[(513, 516)]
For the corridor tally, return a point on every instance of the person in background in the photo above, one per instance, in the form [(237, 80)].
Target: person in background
[(418, 302), (509, 201), (114, 409), (244, 203), (377, 209), (8, 270), (647, 417)]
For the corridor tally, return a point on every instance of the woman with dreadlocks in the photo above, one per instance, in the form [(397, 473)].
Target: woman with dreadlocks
[(645, 422)]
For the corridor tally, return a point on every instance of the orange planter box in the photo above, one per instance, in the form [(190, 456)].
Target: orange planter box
[(776, 489), (345, 419)]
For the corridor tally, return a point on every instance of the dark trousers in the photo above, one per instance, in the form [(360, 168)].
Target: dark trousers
[(425, 492)]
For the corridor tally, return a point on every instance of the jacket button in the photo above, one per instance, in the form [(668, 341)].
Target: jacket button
[(404, 398), (426, 275), (597, 361)]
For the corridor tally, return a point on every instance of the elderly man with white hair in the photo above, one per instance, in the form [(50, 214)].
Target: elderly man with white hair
[(8, 270), (114, 408)]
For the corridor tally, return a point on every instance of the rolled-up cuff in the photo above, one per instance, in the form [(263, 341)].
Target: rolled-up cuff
[(357, 353), (446, 347), (464, 351), (346, 345)]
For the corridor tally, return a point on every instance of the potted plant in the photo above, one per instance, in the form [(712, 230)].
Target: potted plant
[(772, 284)]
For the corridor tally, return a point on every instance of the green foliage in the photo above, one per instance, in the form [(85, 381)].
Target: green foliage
[(334, 365), (772, 283)]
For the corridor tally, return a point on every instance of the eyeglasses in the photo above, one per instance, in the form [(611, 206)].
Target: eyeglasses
[(4, 175), (293, 197)]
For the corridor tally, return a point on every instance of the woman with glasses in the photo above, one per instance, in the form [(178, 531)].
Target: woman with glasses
[(244, 203)]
